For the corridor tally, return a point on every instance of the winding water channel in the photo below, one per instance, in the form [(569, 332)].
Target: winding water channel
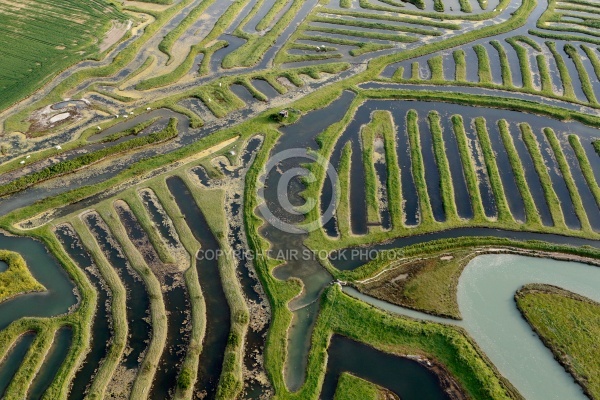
[(486, 292)]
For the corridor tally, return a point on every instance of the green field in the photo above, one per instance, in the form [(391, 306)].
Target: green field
[(39, 39), (568, 324)]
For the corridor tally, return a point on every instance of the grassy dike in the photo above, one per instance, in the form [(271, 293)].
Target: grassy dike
[(343, 188), (504, 214), (461, 65), (118, 311), (565, 171), (504, 64), (210, 202), (484, 69), (563, 71), (368, 135), (385, 124), (531, 211), (86, 160), (147, 370), (418, 168), (586, 167), (351, 387), (198, 306), (586, 85), (441, 160), (567, 324), (468, 167), (542, 171)]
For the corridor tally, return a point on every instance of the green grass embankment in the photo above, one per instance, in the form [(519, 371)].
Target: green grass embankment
[(565, 171), (418, 168), (504, 214), (586, 167), (158, 316), (350, 387), (484, 69), (69, 166), (531, 211), (504, 64), (468, 168), (584, 78), (542, 171), (210, 202), (368, 135), (189, 369), (120, 328), (441, 160), (568, 324), (343, 187), (563, 71)]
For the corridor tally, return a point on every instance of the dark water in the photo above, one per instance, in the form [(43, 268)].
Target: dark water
[(48, 271), (243, 93), (13, 359), (55, 357), (218, 319), (176, 305), (101, 330), (202, 175), (406, 378), (346, 260), (409, 190), (515, 200), (485, 188), (382, 178), (432, 174), (533, 180), (138, 302), (3, 266), (558, 182), (158, 217), (462, 197), (265, 88)]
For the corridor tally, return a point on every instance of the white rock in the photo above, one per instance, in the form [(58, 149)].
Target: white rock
[(28, 157), (22, 162), (148, 109), (58, 147)]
